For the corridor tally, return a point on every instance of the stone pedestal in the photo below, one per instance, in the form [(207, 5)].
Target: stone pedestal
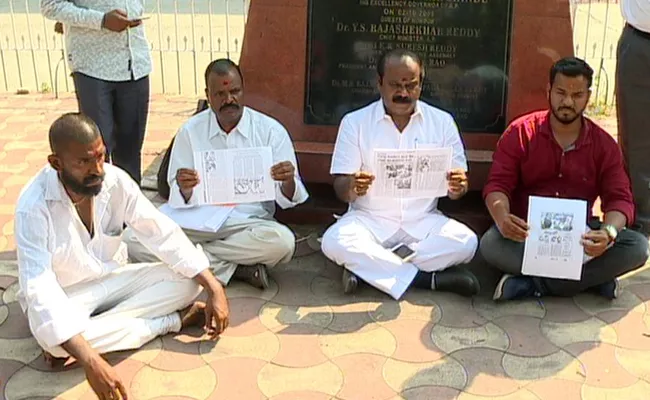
[(277, 50)]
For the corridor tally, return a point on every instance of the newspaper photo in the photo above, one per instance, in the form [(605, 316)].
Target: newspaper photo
[(411, 173), (233, 176), (553, 248)]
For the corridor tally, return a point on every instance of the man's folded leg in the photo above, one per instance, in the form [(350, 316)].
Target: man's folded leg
[(350, 244), (131, 306), (598, 275)]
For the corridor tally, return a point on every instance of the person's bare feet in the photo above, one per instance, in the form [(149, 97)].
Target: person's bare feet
[(54, 362), (193, 315)]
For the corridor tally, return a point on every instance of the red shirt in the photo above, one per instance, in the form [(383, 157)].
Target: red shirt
[(528, 161)]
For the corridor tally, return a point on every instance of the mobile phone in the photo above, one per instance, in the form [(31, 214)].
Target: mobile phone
[(404, 252)]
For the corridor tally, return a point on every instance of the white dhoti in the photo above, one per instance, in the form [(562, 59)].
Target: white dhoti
[(239, 241), (130, 306), (350, 243)]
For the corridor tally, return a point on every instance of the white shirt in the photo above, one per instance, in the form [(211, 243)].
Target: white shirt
[(97, 52), (56, 252), (637, 13), (202, 132), (364, 130)]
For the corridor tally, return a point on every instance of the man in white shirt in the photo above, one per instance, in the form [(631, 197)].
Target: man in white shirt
[(361, 240), (250, 239), (80, 295), (633, 103), (109, 57)]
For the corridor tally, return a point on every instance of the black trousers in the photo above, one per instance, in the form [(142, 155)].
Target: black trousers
[(120, 110), (632, 109), (628, 253)]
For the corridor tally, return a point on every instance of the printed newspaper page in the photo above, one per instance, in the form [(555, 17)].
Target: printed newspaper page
[(233, 176), (553, 248), (411, 173)]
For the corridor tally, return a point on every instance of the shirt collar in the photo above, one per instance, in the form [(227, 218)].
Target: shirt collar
[(243, 127), (54, 190), (584, 138), (379, 112)]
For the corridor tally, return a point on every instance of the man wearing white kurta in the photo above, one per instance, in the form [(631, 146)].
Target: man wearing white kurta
[(250, 239), (81, 296), (361, 240)]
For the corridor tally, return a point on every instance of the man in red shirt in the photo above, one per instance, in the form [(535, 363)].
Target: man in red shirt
[(560, 153)]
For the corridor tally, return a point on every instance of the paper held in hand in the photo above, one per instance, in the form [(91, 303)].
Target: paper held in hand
[(234, 176), (414, 173), (553, 248)]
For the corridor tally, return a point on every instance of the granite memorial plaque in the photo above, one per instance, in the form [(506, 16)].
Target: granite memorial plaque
[(464, 45)]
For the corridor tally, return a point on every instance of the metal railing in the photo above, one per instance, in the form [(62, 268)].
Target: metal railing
[(184, 35)]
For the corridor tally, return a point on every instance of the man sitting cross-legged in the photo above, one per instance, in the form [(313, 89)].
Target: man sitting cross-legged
[(362, 239), (561, 153), (81, 296)]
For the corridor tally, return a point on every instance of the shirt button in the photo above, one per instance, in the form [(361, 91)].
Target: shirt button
[(560, 175), (557, 194)]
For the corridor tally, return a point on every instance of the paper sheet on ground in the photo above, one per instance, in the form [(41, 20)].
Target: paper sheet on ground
[(234, 176), (411, 173), (553, 248), (201, 218)]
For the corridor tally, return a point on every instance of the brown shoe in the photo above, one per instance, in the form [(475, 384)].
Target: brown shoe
[(254, 275)]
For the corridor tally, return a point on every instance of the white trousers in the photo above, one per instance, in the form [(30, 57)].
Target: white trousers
[(240, 241), (351, 244), (131, 306)]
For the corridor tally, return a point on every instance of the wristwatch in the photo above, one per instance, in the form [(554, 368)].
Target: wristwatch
[(611, 230)]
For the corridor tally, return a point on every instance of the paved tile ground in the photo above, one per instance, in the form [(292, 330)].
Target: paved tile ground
[(302, 339)]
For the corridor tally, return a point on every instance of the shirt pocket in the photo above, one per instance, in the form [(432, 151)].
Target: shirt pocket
[(111, 247)]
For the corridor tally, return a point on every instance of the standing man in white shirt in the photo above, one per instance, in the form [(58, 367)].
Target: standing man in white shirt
[(109, 57), (361, 240), (633, 103), (250, 239), (81, 296)]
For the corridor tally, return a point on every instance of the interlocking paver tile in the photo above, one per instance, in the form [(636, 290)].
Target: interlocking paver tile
[(23, 350), (486, 375), (196, 383), (7, 369), (324, 378), (4, 313), (551, 389), (263, 346), (374, 340), (458, 312), (402, 376), (522, 394), (560, 364), (16, 325), (295, 289), (631, 330), (636, 362), (277, 317), (601, 367), (591, 330), (302, 395), (415, 304), (560, 309), (638, 391), (593, 304), (525, 336), (9, 268), (428, 393), (642, 291), (414, 342), (363, 377), (180, 352), (244, 319), (126, 369), (237, 378), (299, 346), (69, 384), (492, 310), (9, 296), (453, 339)]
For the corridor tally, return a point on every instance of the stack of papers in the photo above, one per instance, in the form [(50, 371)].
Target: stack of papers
[(202, 218)]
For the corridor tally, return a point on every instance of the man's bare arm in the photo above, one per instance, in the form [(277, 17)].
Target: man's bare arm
[(344, 188)]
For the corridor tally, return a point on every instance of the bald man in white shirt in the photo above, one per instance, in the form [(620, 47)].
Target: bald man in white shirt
[(361, 241), (81, 295), (633, 103), (250, 240)]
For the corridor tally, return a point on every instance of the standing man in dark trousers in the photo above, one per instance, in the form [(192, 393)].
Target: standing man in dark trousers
[(109, 57), (633, 103)]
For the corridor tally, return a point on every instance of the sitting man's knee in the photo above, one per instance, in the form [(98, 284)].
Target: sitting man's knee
[(489, 244), (281, 241), (639, 250), (330, 246)]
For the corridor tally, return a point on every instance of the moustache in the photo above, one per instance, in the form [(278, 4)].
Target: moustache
[(231, 105), (402, 100), (566, 108), (91, 180)]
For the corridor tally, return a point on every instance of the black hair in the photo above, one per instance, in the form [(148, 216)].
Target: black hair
[(398, 53), (72, 127), (572, 67), (222, 66)]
